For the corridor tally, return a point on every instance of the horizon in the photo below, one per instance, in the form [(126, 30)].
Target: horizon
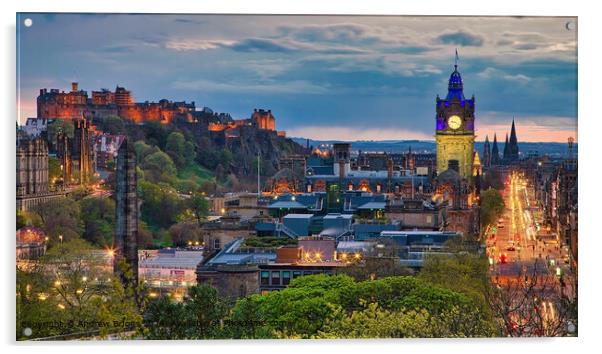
[(351, 78)]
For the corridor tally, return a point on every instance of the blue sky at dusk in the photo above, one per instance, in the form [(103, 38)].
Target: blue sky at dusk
[(323, 77)]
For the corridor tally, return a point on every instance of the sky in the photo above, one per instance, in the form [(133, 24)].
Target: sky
[(323, 77)]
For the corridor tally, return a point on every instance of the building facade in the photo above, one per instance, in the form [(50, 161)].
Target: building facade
[(455, 128)]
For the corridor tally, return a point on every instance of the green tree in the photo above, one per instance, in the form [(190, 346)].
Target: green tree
[(161, 205), (199, 206), (114, 125), (69, 291), (463, 272), (181, 151), (98, 216), (306, 307), (199, 316), (492, 206), (156, 133), (158, 166), (54, 169), (376, 322), (60, 217)]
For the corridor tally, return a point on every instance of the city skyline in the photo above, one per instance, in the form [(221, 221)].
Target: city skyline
[(349, 78)]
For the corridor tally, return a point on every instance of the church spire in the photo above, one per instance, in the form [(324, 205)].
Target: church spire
[(486, 152), (495, 153), (513, 147)]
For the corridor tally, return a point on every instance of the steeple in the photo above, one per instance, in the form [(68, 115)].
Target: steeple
[(495, 153), (486, 152), (513, 147), (455, 87)]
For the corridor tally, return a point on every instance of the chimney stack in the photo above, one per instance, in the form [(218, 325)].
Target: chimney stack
[(74, 87)]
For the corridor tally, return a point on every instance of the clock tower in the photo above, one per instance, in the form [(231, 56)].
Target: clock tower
[(455, 128)]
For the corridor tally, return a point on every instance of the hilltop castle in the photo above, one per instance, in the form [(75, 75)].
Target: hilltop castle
[(77, 103)]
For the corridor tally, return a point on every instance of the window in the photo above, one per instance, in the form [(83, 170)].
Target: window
[(296, 274), (306, 272), (265, 278), (286, 277), (242, 290), (276, 278), (216, 243)]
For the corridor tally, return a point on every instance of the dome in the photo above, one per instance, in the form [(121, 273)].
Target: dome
[(455, 86)]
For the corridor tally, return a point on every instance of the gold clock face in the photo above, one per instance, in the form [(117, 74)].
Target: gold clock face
[(454, 122)]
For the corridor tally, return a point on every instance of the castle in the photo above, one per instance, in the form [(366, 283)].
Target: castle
[(75, 104)]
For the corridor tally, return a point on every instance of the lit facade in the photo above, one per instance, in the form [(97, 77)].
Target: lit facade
[(455, 128)]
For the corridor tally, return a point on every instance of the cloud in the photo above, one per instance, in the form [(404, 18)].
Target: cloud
[(197, 44), (338, 33), (462, 38), (491, 74), (356, 133), (294, 86)]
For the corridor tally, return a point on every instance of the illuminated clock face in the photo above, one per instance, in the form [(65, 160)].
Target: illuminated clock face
[(454, 122)]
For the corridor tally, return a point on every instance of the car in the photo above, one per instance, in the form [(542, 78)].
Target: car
[(503, 258)]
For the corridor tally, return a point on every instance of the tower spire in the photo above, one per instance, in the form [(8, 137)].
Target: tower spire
[(456, 62)]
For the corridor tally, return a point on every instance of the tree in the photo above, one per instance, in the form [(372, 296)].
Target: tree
[(157, 165), (492, 206), (533, 303), (54, 169), (181, 151), (184, 232), (59, 125), (376, 322), (98, 216), (199, 316), (69, 291), (114, 125), (155, 133), (463, 272), (161, 205), (199, 206), (308, 305), (60, 217)]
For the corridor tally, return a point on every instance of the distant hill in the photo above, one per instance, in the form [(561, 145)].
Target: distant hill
[(397, 146)]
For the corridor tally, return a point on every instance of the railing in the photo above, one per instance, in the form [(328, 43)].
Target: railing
[(286, 230)]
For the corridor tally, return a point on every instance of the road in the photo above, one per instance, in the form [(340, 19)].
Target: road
[(518, 243)]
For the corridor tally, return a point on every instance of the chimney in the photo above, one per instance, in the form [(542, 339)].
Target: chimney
[(341, 168), (74, 87)]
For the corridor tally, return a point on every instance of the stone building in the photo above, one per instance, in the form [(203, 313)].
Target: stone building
[(77, 155), (32, 166), (126, 210), (76, 103), (455, 124)]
